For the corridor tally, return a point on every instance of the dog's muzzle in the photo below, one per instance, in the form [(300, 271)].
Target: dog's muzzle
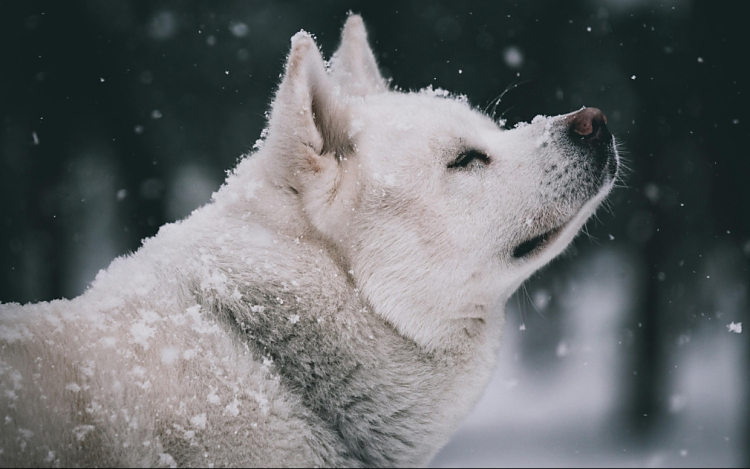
[(587, 129)]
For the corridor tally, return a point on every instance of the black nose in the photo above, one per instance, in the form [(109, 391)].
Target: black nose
[(588, 128)]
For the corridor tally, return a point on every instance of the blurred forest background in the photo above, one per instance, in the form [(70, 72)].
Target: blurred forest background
[(119, 116)]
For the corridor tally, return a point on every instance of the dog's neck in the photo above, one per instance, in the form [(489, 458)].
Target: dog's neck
[(375, 389)]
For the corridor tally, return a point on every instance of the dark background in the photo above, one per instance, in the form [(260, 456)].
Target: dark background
[(119, 116)]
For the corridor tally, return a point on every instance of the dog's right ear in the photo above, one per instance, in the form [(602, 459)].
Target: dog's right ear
[(353, 65)]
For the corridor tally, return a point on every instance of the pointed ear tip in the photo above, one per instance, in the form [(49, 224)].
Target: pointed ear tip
[(302, 39), (304, 51), (354, 18), (354, 23)]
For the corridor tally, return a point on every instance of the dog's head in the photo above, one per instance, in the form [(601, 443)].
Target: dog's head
[(437, 211)]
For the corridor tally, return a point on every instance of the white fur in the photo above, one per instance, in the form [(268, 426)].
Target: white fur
[(339, 302)]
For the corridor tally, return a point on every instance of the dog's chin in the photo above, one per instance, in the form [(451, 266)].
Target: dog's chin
[(555, 239)]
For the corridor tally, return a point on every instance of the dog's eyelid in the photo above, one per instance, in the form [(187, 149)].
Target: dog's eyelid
[(467, 156)]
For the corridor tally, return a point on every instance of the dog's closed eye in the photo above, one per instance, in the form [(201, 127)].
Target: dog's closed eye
[(469, 159)]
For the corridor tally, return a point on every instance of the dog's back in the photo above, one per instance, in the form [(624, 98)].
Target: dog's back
[(141, 370), (167, 360)]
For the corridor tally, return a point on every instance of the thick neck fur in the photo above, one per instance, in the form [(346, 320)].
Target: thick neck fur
[(376, 389), (388, 399)]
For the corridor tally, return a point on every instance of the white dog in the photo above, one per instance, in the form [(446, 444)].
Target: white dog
[(338, 303)]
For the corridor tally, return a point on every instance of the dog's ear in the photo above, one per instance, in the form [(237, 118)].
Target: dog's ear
[(353, 65), (306, 117), (309, 131)]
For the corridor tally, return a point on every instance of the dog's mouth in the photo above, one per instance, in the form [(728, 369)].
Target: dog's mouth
[(537, 243)]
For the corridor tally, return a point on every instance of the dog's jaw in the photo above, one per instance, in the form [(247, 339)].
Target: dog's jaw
[(566, 233)]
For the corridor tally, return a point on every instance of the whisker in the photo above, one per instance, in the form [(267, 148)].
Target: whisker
[(507, 110), (526, 291), (520, 311), (495, 102)]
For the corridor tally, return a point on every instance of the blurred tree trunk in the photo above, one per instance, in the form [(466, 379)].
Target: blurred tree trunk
[(645, 407), (747, 405)]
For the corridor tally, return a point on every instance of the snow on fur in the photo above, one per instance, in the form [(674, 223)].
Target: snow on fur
[(339, 302)]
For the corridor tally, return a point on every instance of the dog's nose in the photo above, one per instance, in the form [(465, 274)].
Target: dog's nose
[(590, 124), (588, 128)]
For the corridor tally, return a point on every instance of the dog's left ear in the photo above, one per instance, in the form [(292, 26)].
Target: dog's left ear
[(309, 130), (353, 65), (306, 117)]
